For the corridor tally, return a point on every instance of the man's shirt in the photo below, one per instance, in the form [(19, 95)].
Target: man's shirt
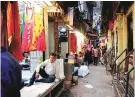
[(10, 75), (95, 52), (50, 68)]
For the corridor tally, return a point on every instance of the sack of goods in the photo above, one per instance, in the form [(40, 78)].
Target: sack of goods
[(83, 71)]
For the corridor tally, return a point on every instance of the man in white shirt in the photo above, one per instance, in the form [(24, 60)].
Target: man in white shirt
[(49, 71)]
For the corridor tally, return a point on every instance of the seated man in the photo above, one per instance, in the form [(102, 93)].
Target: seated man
[(49, 72)]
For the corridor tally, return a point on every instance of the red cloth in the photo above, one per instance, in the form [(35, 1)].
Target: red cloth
[(10, 26), (41, 46), (103, 40), (15, 47), (73, 42), (111, 25), (27, 36)]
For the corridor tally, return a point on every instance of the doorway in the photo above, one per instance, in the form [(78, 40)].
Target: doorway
[(130, 32)]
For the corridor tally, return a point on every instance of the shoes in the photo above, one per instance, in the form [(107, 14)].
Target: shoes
[(28, 85)]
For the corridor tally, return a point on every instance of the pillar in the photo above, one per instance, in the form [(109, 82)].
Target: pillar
[(46, 33), (56, 34)]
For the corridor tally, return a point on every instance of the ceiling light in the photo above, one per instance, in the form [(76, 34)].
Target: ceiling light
[(63, 29)]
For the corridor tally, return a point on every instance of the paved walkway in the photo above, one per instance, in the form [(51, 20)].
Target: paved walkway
[(96, 84)]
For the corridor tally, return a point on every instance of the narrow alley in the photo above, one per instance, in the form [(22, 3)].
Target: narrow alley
[(96, 84)]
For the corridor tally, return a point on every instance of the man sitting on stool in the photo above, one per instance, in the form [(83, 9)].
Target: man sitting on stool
[(49, 73)]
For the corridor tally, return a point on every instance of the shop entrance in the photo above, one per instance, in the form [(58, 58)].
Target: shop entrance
[(130, 32)]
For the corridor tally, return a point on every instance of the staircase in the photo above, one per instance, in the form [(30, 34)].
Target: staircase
[(122, 79)]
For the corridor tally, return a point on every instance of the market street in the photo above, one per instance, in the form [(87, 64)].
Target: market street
[(95, 84)]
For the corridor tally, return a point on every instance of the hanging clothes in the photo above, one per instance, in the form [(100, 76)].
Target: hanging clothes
[(15, 47), (28, 29), (41, 41), (73, 42), (22, 18), (38, 39), (22, 15), (10, 26)]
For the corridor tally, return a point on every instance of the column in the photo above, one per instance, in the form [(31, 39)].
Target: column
[(56, 35), (46, 33)]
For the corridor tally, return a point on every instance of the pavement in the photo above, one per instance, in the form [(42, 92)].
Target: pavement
[(95, 84)]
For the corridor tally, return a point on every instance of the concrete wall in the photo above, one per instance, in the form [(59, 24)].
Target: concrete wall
[(109, 43), (51, 37), (121, 35)]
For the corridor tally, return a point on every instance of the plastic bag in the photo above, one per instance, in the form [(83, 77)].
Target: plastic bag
[(83, 71)]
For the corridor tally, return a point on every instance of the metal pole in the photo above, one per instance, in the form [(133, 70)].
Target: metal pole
[(127, 82)]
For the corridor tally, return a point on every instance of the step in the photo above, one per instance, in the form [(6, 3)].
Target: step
[(121, 86), (117, 89)]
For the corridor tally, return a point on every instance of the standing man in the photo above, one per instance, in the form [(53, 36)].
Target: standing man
[(86, 56), (95, 51), (10, 68), (47, 70)]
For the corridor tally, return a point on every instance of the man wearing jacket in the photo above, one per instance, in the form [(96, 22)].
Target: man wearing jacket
[(10, 68)]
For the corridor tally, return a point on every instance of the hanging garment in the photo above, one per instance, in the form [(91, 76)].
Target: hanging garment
[(10, 26), (15, 47), (28, 29), (73, 42), (22, 17), (38, 39), (41, 42)]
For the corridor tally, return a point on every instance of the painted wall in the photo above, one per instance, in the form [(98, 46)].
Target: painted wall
[(120, 28), (123, 33), (132, 9), (109, 43), (121, 24)]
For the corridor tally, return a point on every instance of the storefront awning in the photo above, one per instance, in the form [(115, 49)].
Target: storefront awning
[(53, 8)]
